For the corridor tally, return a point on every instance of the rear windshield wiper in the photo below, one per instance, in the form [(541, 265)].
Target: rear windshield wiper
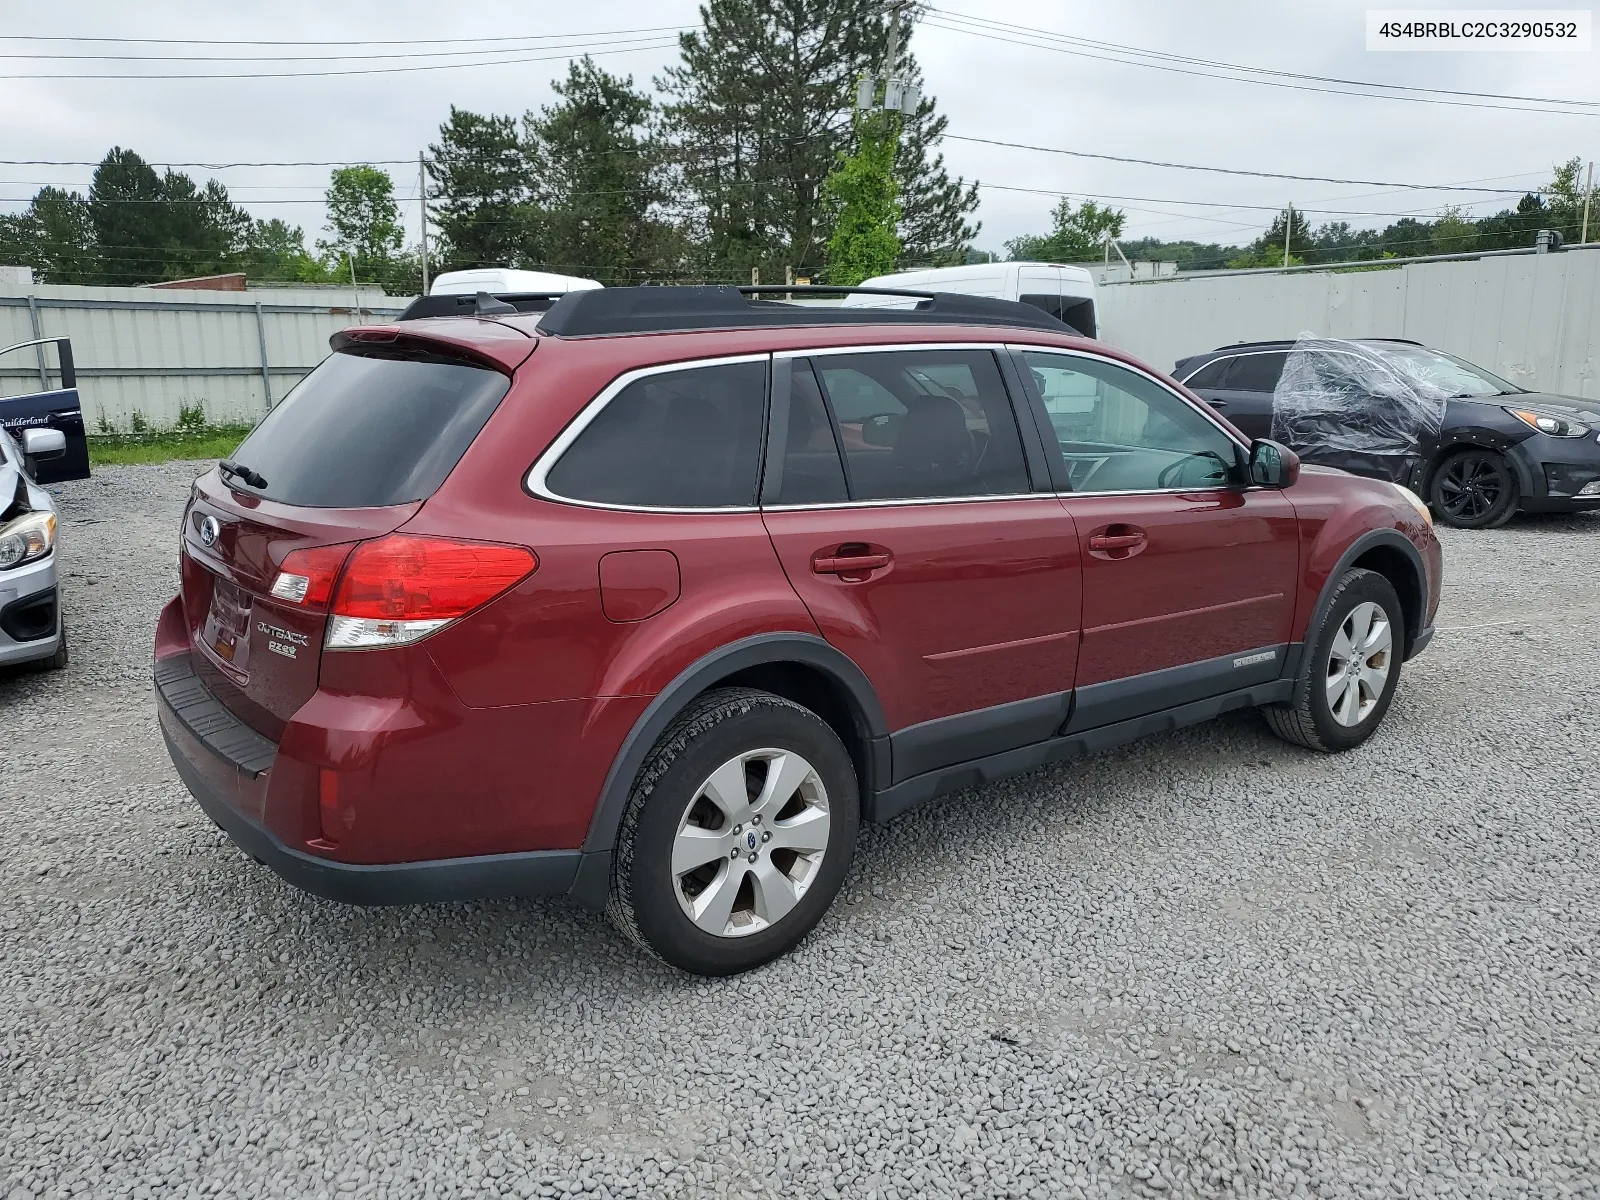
[(228, 467)]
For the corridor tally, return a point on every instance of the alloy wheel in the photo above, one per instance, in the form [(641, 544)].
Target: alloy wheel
[(1358, 663), (750, 842), (1471, 485)]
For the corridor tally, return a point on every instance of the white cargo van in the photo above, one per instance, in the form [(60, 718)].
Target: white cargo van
[(1066, 293), (500, 281)]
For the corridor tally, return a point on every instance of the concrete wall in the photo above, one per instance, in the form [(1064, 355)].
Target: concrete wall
[(151, 351), (1533, 319)]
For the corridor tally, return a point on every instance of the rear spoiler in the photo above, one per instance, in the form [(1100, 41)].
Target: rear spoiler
[(471, 304)]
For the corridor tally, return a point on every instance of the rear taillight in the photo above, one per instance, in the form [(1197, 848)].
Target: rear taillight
[(307, 576), (400, 588)]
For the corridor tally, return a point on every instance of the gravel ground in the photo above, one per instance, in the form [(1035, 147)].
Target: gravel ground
[(1207, 964)]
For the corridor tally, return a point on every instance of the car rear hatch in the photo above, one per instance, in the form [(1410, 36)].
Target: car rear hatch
[(350, 455)]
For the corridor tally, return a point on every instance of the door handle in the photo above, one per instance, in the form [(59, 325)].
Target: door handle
[(843, 564), (1116, 541), (1217, 403)]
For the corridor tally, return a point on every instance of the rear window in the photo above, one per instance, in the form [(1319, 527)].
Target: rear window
[(363, 431)]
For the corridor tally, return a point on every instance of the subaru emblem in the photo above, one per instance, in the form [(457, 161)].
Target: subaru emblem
[(209, 531), (750, 839)]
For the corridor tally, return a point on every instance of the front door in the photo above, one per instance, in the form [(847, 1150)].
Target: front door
[(921, 550), (49, 408), (1188, 576)]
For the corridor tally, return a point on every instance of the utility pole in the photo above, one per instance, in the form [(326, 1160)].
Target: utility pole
[(1588, 194), (354, 287), (1288, 229), (891, 50), (422, 203)]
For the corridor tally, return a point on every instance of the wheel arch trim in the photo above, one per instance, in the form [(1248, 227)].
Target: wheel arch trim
[(1371, 540), (766, 649)]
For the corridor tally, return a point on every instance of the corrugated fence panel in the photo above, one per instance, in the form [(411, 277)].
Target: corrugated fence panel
[(1535, 319), (153, 352)]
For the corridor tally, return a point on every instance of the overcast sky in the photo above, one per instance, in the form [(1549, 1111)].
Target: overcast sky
[(988, 88)]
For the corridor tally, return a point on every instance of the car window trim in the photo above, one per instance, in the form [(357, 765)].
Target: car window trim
[(1020, 348), (535, 481)]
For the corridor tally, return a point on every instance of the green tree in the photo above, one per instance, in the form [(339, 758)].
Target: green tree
[(860, 194), (200, 229), (276, 251), (55, 237), (128, 213), (364, 221), (1076, 235), (601, 186), (756, 115), (483, 192), (935, 229), (1452, 232)]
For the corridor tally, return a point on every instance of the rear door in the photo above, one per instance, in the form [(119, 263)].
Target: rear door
[(924, 552), (350, 454), (1188, 575), (1244, 394), (47, 407)]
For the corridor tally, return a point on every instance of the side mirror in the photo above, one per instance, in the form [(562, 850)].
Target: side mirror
[(1273, 465), (40, 444)]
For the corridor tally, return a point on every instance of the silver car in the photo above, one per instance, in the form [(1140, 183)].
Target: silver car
[(30, 607)]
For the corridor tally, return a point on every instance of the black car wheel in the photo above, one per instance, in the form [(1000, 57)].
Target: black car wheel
[(738, 834), (1474, 489)]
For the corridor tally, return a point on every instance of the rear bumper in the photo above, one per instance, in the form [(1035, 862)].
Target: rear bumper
[(217, 781)]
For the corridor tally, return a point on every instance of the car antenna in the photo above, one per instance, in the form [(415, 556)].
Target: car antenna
[(488, 306)]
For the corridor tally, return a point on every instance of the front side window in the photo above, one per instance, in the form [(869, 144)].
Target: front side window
[(678, 439), (1210, 375), (1119, 431), (924, 424)]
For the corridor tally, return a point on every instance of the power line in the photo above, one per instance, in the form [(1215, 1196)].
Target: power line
[(643, 44), (974, 28), (429, 41), (345, 57), (1062, 37), (1175, 166)]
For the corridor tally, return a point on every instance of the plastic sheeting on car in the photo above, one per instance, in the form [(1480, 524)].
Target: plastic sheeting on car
[(1337, 398)]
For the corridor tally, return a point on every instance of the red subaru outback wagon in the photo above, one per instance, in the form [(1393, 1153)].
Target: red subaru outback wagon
[(651, 598)]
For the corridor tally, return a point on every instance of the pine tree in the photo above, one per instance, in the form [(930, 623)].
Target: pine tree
[(758, 113), (601, 186), (127, 214), (485, 185)]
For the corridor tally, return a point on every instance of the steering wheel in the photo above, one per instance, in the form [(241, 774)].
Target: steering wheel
[(1171, 469)]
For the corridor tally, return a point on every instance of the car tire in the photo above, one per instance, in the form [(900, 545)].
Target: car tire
[(1474, 489), (1336, 705), (748, 806)]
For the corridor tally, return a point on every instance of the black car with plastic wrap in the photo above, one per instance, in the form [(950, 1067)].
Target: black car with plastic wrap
[(1477, 448)]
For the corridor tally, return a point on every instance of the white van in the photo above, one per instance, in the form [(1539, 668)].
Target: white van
[(502, 281), (1066, 293)]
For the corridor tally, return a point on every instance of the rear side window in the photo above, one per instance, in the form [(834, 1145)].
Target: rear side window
[(363, 431), (924, 424), (1255, 372), (678, 439), (1210, 375)]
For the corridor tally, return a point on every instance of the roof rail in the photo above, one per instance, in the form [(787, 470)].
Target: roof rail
[(467, 305), (1291, 341), (606, 311)]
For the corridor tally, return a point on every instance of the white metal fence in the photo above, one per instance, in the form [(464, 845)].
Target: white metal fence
[(152, 351), (1533, 319)]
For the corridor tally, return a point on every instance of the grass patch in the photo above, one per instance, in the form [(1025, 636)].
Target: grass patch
[(121, 449)]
